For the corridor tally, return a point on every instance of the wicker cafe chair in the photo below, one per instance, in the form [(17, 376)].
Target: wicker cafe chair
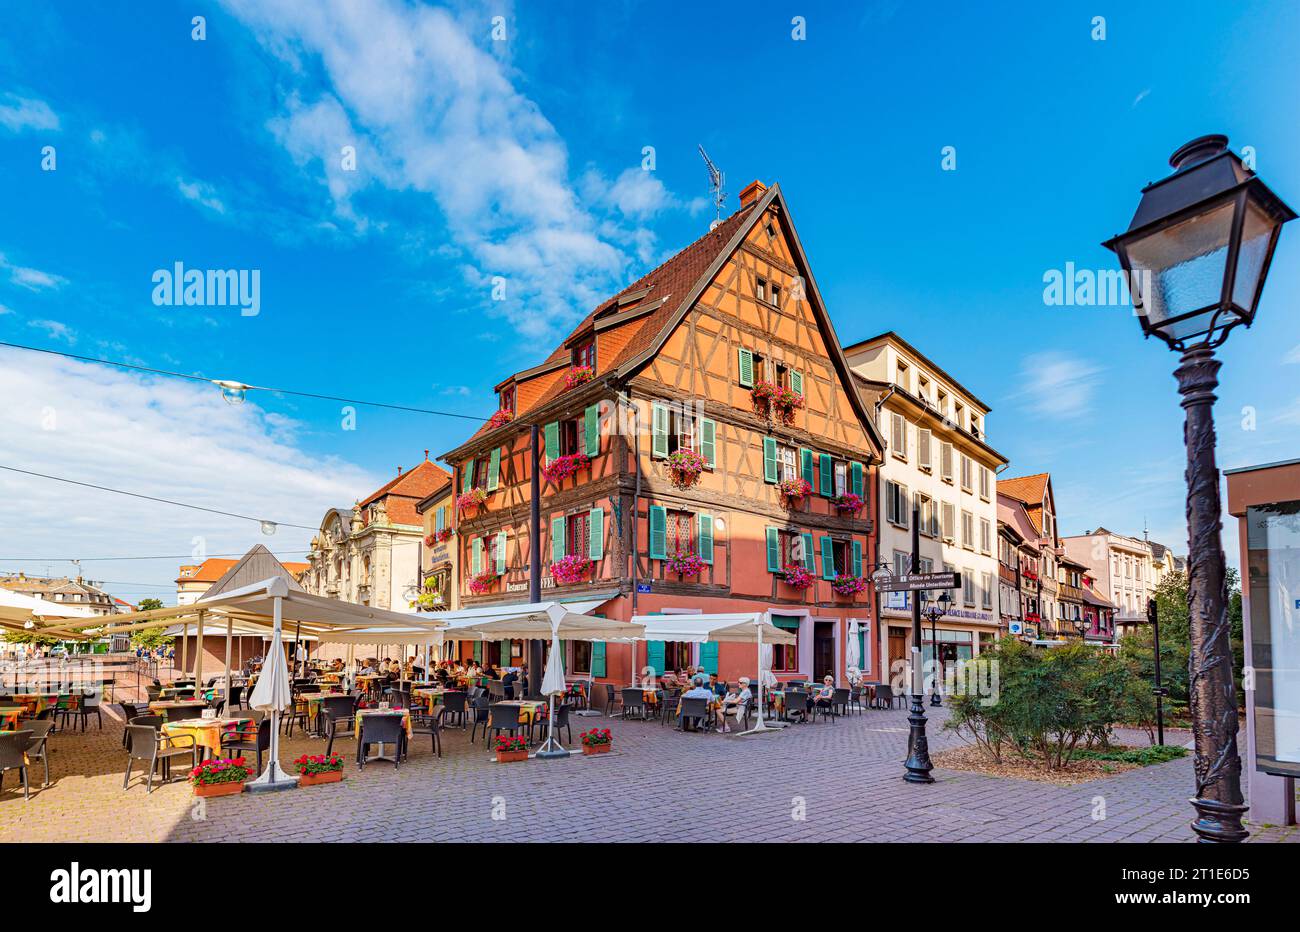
[(13, 756), (796, 703), (425, 724), (340, 717), (249, 736), (181, 713), (453, 707), (479, 707), (381, 729), (634, 703), (146, 744), (611, 698), (129, 712), (39, 749), (668, 704), (694, 710), (840, 699), (855, 698), (504, 718)]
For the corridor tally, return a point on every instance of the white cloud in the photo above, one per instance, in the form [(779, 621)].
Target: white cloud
[(638, 194), (1142, 95), (1058, 385), (56, 330), (22, 113), (31, 279), (200, 192), (431, 108), (1293, 357), (5, 309), (154, 436)]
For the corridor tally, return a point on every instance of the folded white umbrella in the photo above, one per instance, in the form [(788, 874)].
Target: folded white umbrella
[(272, 692), (853, 662), (553, 680)]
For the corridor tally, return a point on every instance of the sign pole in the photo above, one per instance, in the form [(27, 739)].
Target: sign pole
[(918, 745)]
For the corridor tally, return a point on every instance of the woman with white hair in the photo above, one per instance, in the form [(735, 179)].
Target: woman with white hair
[(734, 705)]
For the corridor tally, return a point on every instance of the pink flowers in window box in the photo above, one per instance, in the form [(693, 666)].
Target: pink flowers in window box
[(483, 582), (793, 491), (848, 503), (770, 398), (578, 375), (500, 418), (474, 498), (684, 564), (564, 466), (796, 577), (849, 585), (684, 468), (444, 535), (570, 569)]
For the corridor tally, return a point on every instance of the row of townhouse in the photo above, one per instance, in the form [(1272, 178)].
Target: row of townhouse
[(701, 443)]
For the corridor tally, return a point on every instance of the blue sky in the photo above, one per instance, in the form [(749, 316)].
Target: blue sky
[(521, 158)]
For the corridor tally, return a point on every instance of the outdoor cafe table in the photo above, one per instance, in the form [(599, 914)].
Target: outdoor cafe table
[(529, 710), (9, 715), (313, 702), (34, 703), (162, 705), (206, 732)]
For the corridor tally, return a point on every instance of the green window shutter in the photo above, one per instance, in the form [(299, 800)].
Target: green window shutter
[(478, 651), (705, 547), (769, 459), (708, 441), (552, 432), (746, 367), (855, 478), (598, 658), (596, 533), (505, 653), (773, 550), (494, 470), (857, 558), (557, 538), (467, 477), (796, 381), (806, 468), (809, 554), (658, 430), (476, 556), (654, 656), (828, 559), (709, 656), (828, 475), (591, 423), (658, 532), (501, 553)]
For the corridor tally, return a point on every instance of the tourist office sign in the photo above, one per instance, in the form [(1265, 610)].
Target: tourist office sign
[(919, 582)]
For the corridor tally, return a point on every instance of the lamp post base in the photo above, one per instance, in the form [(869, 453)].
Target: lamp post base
[(1218, 823), (918, 745)]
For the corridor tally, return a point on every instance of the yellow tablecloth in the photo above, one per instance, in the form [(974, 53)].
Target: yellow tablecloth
[(206, 734), (528, 709), (406, 718)]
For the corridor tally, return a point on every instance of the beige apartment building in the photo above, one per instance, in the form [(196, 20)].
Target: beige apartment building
[(1124, 569), (939, 459)]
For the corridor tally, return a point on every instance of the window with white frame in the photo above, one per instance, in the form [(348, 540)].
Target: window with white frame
[(986, 590), (968, 589), (967, 483), (986, 483), (968, 530), (986, 535), (945, 462), (898, 435), (923, 455), (929, 520), (896, 503), (948, 517)]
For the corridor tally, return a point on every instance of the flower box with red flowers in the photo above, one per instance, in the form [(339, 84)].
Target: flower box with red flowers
[(684, 564), (510, 748), (483, 582), (796, 577), (221, 776), (471, 500), (793, 491), (597, 741), (849, 585), (319, 768), (500, 419), (684, 468), (849, 503), (564, 466), (770, 398), (441, 537), (570, 569), (578, 375)]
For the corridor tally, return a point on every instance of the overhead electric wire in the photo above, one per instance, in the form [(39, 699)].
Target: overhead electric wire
[(260, 388), (167, 556), (163, 501)]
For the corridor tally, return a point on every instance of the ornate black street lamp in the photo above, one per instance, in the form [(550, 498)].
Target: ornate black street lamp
[(933, 610), (1196, 255)]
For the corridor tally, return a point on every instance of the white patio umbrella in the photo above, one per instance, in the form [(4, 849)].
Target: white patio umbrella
[(553, 683), (272, 694), (852, 660)]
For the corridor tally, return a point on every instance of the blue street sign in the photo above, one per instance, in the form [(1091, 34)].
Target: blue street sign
[(643, 587)]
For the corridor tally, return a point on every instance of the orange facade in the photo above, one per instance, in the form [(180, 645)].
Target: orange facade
[(676, 361)]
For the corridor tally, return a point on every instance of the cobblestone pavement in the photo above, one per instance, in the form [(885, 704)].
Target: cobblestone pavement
[(816, 782)]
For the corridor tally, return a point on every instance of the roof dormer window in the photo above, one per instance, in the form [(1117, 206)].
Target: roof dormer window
[(584, 354)]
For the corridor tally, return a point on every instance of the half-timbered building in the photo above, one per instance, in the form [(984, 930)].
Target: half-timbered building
[(700, 447)]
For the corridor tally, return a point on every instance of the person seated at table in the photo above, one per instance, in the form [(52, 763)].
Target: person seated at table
[(699, 690), (719, 688), (508, 679), (367, 667), (734, 704), (822, 696), (523, 678)]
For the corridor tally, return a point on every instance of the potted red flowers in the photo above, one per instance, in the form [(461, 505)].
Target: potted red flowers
[(849, 585), (319, 768), (793, 491), (500, 418), (597, 741), (684, 564), (684, 468), (796, 577), (510, 748), (771, 399), (850, 503), (564, 466), (474, 498), (219, 777), (483, 582), (444, 535), (570, 569), (578, 375)]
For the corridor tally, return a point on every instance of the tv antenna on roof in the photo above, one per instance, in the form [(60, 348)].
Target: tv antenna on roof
[(715, 186)]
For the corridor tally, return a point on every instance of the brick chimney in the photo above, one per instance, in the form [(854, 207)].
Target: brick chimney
[(753, 191)]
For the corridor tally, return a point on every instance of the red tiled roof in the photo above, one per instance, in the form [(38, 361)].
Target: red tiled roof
[(1028, 489), (416, 483), (209, 571)]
